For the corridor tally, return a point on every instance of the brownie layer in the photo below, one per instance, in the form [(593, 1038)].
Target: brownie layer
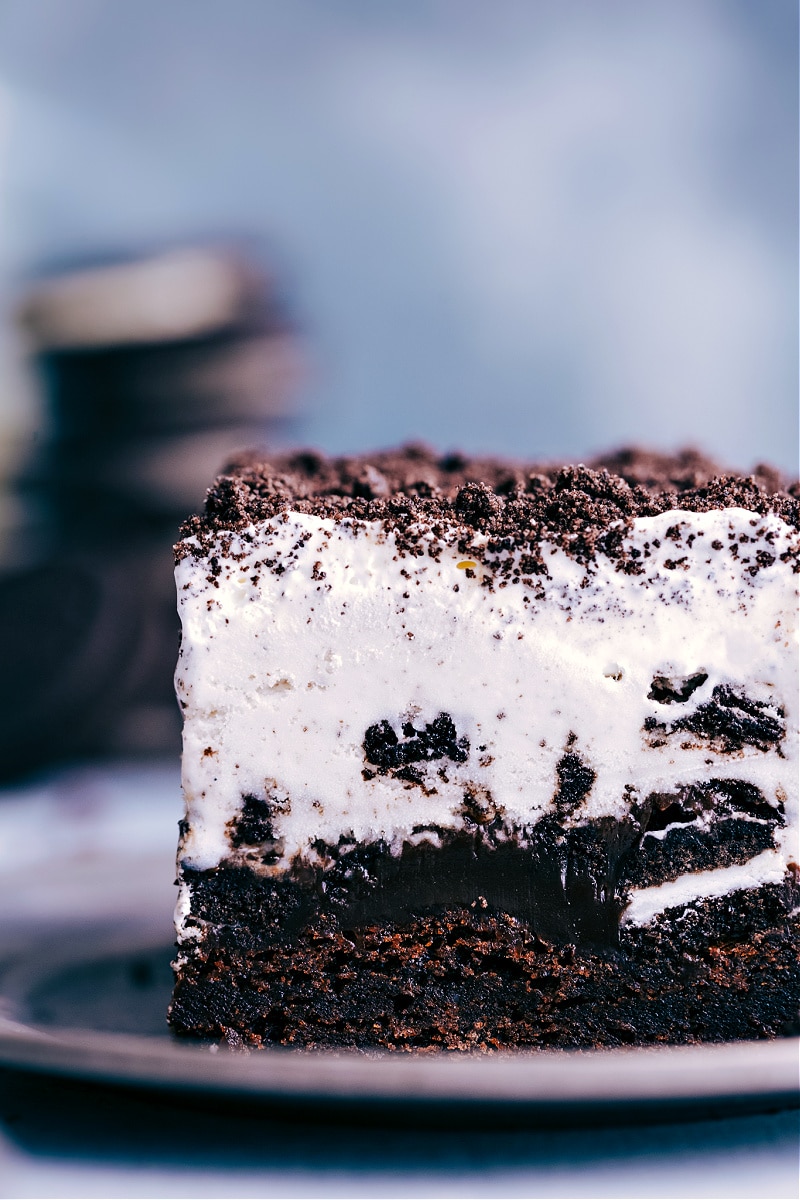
[(472, 976), (492, 936)]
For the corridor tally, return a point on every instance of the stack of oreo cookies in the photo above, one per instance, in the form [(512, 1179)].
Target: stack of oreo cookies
[(154, 371)]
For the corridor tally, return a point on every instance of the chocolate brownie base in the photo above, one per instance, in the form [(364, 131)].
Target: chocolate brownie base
[(467, 976), (495, 937)]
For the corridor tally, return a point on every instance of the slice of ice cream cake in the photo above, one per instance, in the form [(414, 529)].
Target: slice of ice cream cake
[(478, 756)]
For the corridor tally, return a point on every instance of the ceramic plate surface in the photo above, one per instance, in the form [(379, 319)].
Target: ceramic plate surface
[(86, 893)]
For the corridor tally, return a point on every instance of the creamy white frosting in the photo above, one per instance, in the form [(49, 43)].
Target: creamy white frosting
[(281, 674)]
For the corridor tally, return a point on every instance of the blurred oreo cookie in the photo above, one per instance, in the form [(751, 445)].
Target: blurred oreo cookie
[(154, 372), (68, 639)]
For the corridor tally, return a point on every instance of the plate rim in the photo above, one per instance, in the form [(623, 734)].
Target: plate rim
[(725, 1073)]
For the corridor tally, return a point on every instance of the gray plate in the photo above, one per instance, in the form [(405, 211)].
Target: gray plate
[(83, 996)]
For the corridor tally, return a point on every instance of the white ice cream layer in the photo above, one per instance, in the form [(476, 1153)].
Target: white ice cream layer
[(284, 667)]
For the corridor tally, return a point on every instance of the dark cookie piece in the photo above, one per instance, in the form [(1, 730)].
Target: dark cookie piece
[(716, 823), (687, 849), (385, 751), (253, 826), (728, 721), (675, 691), (575, 781)]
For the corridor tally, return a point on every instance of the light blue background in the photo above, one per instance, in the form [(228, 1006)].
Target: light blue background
[(541, 228)]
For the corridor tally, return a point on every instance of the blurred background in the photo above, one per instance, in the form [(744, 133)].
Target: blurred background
[(541, 228)]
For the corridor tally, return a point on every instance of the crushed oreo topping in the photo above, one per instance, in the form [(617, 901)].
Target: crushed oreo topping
[(586, 510)]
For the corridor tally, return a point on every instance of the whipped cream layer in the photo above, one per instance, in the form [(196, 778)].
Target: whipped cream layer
[(301, 634)]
